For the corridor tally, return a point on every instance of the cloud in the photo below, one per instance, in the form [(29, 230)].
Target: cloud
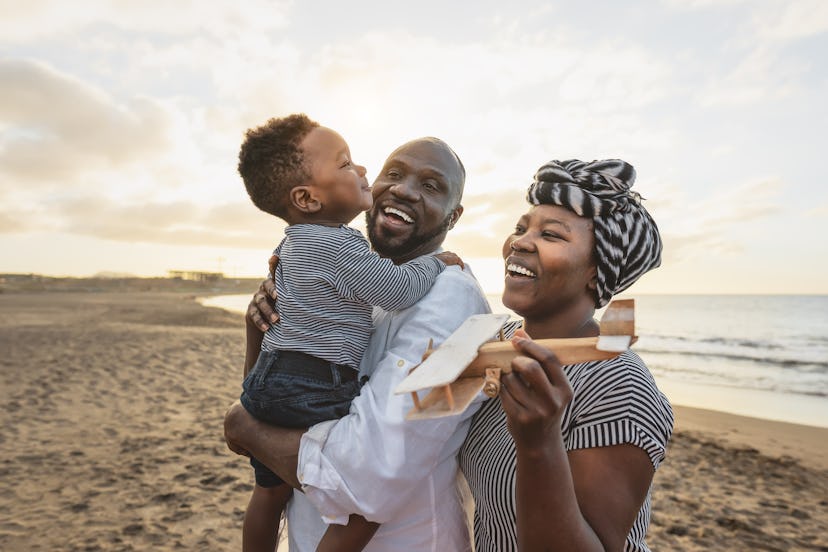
[(786, 21), (237, 225), (763, 74), (753, 61), (719, 222), (35, 19), (690, 227), (56, 126), (818, 211), (11, 223), (701, 4), (179, 223), (487, 220)]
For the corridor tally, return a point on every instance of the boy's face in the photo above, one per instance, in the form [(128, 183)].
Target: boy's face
[(339, 185)]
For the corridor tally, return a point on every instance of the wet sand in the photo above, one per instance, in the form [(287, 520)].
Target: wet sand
[(111, 411)]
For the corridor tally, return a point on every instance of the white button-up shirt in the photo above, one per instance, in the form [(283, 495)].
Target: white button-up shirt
[(375, 463)]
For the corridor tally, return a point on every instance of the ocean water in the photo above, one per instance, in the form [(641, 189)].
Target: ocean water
[(754, 355)]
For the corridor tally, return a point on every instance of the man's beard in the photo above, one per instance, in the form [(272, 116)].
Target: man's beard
[(407, 246)]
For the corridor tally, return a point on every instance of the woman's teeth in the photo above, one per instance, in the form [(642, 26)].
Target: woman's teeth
[(515, 269)]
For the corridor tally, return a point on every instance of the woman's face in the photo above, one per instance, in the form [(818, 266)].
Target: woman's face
[(549, 262)]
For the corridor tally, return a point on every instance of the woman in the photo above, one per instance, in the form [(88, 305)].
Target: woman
[(564, 458)]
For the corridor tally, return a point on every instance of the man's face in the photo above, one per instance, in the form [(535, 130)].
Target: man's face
[(416, 200)]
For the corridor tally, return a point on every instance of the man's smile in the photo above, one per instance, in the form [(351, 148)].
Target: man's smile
[(396, 213)]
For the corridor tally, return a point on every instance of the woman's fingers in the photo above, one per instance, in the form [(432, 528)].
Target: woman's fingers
[(525, 380), (544, 356), (537, 382)]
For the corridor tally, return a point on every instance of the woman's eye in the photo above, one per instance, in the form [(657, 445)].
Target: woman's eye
[(552, 235), (519, 229)]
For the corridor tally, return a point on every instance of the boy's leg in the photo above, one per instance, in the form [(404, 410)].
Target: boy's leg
[(348, 538), (260, 532)]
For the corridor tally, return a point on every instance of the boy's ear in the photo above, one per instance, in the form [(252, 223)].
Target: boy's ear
[(303, 198)]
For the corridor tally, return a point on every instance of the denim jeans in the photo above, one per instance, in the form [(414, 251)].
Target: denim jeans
[(296, 390)]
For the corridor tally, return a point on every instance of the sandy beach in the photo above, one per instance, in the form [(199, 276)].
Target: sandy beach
[(111, 439)]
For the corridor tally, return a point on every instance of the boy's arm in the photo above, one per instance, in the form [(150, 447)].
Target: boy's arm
[(363, 275), (394, 455)]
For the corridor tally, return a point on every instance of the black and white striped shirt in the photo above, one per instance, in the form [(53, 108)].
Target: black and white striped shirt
[(614, 402), (327, 280)]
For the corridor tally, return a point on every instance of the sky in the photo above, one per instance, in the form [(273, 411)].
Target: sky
[(120, 123)]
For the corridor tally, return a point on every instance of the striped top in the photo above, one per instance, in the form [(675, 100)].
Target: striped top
[(327, 280), (614, 402)]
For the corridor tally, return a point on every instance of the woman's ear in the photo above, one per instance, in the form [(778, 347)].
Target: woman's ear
[(592, 282), (303, 198)]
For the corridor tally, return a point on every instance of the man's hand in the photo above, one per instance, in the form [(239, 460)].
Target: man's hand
[(275, 447), (261, 312), (232, 420)]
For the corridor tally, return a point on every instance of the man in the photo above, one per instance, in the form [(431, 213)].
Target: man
[(373, 462)]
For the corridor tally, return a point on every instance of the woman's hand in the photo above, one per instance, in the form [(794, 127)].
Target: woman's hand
[(535, 394), (261, 312)]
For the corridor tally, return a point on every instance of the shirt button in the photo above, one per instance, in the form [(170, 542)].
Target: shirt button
[(400, 363)]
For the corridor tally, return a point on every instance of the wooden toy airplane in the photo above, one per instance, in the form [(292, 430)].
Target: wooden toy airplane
[(468, 362)]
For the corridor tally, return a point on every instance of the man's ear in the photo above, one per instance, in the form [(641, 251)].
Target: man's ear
[(303, 198), (455, 216)]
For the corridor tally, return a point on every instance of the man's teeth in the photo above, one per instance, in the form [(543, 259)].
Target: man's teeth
[(392, 211), (520, 270)]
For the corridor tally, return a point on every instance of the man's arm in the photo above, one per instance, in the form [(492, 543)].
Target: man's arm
[(260, 315), (275, 447), (394, 456), (253, 344)]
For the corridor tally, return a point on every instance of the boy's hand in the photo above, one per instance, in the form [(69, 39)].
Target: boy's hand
[(450, 259)]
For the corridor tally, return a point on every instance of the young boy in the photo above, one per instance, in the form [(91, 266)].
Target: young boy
[(327, 280)]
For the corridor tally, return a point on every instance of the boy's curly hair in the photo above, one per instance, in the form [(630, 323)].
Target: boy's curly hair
[(271, 161)]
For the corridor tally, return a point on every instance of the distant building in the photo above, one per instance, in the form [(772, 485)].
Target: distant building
[(196, 276)]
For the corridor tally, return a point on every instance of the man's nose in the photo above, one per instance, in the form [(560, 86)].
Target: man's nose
[(405, 189)]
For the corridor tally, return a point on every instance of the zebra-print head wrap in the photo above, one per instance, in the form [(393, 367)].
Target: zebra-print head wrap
[(627, 242)]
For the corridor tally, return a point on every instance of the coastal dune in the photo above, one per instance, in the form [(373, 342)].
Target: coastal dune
[(111, 439)]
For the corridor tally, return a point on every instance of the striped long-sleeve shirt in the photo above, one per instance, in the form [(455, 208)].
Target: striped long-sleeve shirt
[(327, 280), (614, 402)]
